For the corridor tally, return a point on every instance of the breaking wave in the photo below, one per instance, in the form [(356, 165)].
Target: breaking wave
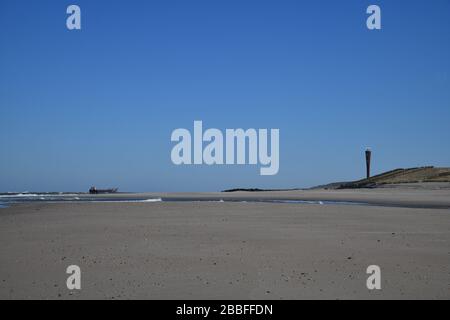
[(153, 200)]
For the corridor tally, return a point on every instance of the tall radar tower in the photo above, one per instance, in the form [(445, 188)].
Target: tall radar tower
[(368, 159)]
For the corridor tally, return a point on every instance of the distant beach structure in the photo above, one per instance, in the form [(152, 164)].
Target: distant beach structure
[(94, 190)]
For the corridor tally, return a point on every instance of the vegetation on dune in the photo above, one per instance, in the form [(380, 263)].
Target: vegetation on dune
[(410, 175)]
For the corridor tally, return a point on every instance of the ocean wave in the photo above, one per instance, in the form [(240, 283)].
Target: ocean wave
[(121, 201), (21, 195), (152, 200), (36, 195)]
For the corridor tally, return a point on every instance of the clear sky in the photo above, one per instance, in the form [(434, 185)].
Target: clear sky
[(98, 106)]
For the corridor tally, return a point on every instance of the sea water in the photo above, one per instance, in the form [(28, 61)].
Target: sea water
[(10, 198), (7, 199)]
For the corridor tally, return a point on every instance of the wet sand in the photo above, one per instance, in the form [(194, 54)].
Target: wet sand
[(231, 250)]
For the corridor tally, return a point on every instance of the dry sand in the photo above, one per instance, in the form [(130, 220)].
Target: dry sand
[(212, 250)]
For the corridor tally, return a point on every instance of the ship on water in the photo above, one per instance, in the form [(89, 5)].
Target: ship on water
[(94, 190)]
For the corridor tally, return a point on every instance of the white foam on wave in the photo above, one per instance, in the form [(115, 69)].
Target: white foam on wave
[(35, 195), (151, 200), (124, 201), (20, 195), (296, 201)]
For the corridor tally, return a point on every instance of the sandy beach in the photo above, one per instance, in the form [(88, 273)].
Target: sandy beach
[(231, 250)]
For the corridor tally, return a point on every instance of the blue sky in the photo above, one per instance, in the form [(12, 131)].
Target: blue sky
[(97, 106)]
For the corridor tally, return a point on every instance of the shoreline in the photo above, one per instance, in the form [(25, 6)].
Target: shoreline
[(402, 196)]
